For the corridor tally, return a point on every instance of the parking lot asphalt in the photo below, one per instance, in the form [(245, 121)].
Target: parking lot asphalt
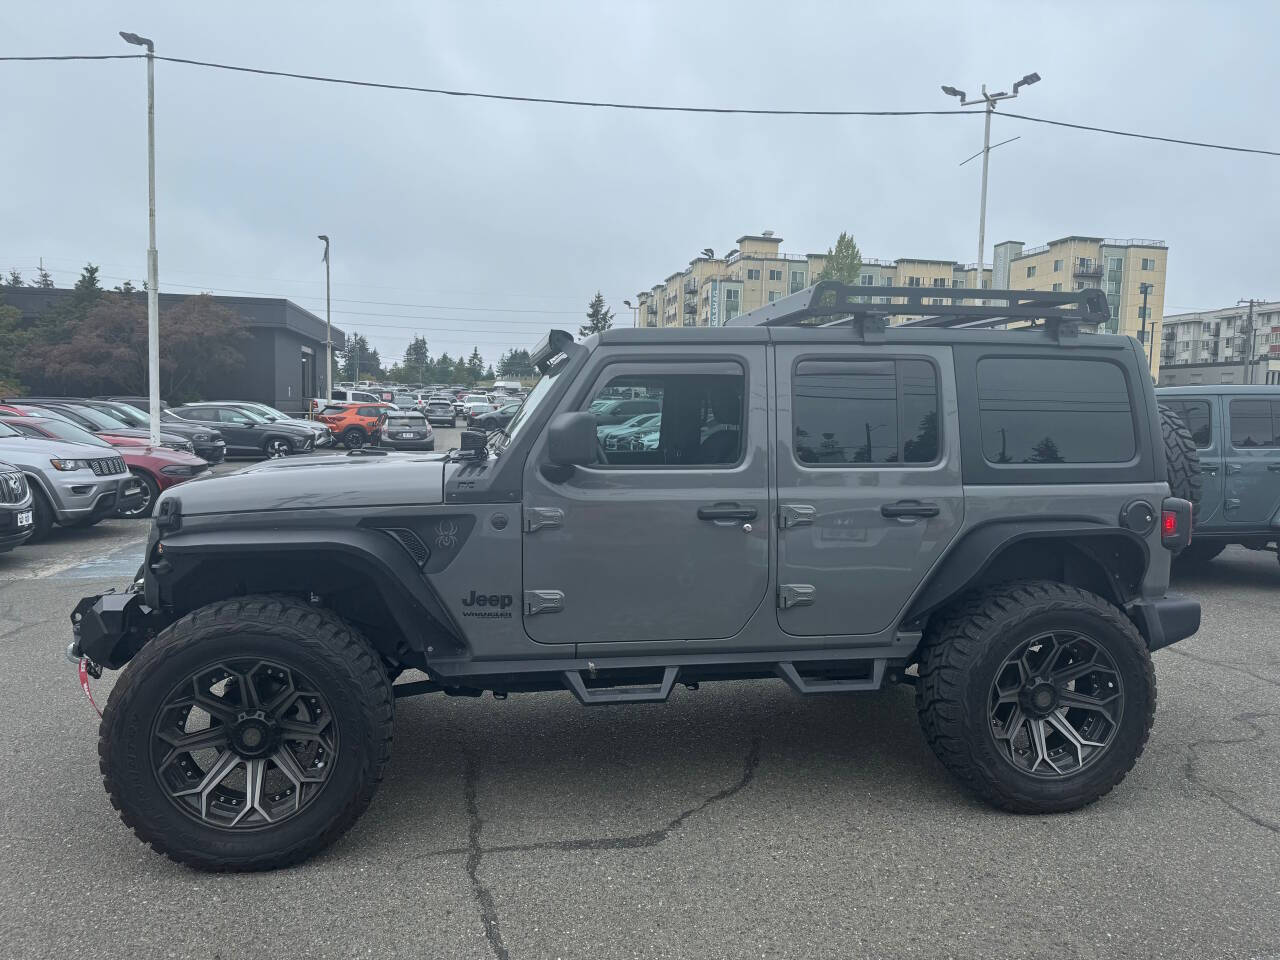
[(738, 820)]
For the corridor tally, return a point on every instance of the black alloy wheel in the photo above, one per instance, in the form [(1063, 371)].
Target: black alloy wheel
[(277, 447)]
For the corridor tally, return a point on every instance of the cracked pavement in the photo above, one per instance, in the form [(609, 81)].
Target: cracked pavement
[(739, 820)]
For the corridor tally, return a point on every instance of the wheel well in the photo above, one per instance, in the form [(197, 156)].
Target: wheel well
[(1109, 565), (343, 585)]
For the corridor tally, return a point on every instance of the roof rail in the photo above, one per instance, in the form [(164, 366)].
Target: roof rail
[(831, 303)]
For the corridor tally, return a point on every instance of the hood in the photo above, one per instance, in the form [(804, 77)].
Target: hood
[(189, 430), (165, 435), (315, 482), (34, 453)]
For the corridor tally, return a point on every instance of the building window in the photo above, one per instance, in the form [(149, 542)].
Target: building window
[(797, 281), (1057, 288), (775, 274), (1116, 263), (959, 284), (773, 295), (856, 412), (1057, 266), (1040, 410), (753, 274), (936, 301), (1079, 284), (913, 281), (867, 279), (1031, 271), (1148, 263), (1144, 313), (1086, 263)]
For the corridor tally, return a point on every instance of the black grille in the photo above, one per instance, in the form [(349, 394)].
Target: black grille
[(412, 543), (13, 488), (106, 466)]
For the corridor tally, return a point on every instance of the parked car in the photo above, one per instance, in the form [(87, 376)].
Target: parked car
[(1236, 433), (610, 436), (472, 409), (324, 438), (461, 404), (494, 419), (72, 484), (248, 433), (156, 467), (609, 412), (345, 395), (17, 520), (356, 425), (207, 442), (99, 421), (440, 412), (407, 430)]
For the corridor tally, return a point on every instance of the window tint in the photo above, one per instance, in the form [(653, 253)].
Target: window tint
[(697, 419), (406, 422), (223, 415), (1255, 423), (1039, 410), (851, 412), (369, 412), (1195, 414)]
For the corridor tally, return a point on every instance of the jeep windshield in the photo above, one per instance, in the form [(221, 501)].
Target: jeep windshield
[(531, 403)]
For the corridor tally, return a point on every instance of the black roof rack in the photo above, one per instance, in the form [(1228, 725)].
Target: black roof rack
[(831, 303)]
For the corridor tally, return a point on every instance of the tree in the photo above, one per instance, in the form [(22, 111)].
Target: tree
[(1046, 451), (11, 340), (44, 279), (14, 279), (489, 373), (843, 262), (515, 363), (599, 317), (359, 360), (417, 360), (475, 365), (445, 371), (126, 287)]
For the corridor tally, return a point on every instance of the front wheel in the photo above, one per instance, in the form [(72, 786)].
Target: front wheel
[(276, 448), (1037, 695), (354, 438), (248, 736), (150, 491)]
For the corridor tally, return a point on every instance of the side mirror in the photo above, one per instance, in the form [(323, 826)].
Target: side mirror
[(571, 439)]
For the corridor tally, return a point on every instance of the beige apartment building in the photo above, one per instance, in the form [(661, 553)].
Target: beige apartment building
[(712, 290)]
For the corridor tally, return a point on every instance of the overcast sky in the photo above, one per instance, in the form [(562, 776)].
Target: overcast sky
[(435, 204)]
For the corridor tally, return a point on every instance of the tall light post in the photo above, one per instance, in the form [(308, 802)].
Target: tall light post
[(989, 100), (153, 265), (635, 310), (328, 326)]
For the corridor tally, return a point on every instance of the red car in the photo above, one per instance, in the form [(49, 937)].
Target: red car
[(157, 468)]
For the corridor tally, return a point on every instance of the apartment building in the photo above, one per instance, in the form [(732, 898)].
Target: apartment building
[(1221, 346), (1120, 267), (714, 289)]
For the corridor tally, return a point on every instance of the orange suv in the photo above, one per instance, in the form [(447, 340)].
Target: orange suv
[(355, 424)]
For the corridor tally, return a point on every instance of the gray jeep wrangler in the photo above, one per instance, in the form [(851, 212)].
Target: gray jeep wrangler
[(828, 499)]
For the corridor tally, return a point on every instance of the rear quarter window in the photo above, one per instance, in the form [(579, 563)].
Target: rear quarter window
[(1040, 410), (1195, 415)]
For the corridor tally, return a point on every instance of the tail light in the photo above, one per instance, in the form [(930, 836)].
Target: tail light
[(1175, 523)]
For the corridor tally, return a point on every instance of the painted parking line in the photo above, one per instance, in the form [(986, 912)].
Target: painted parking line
[(121, 562)]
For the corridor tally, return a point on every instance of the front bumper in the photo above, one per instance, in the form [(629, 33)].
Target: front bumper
[(110, 628), (12, 533), (1167, 620), (214, 452)]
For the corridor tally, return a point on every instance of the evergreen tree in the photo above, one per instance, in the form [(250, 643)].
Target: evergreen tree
[(489, 373), (44, 279), (126, 287), (445, 372), (417, 360), (475, 365), (599, 317), (14, 279)]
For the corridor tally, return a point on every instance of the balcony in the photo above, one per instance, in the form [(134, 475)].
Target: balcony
[(1087, 270), (652, 309), (690, 285), (690, 307)]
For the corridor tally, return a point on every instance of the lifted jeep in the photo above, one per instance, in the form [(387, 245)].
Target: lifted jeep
[(825, 498)]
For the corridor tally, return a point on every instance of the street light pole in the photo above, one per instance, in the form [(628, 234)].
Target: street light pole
[(153, 262), (328, 326), (989, 101), (635, 311)]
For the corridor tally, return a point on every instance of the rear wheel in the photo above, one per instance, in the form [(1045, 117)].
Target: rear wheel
[(353, 438), (1181, 457), (1038, 696), (247, 736)]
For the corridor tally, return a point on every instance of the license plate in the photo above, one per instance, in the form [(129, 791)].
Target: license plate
[(406, 436), (24, 518)]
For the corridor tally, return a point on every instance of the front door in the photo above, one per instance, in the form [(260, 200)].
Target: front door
[(1203, 419), (869, 486), (1253, 460), (667, 536)]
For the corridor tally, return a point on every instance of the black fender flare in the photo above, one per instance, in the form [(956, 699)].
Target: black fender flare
[(973, 553), (406, 595)]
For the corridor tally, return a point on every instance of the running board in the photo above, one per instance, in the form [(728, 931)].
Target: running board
[(588, 696), (788, 672)]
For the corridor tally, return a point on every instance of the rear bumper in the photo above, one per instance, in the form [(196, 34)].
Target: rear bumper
[(1167, 620)]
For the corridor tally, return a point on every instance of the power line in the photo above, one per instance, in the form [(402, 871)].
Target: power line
[(663, 108)]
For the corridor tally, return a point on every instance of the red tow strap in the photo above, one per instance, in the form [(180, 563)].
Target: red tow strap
[(84, 685)]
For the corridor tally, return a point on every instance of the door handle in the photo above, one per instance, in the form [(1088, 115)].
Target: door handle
[(1209, 471), (1233, 468), (727, 511), (909, 508)]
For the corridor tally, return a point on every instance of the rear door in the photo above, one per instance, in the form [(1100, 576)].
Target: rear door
[(1253, 460), (1203, 418), (664, 543), (869, 485)]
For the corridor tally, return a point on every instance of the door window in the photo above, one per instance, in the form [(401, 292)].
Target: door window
[(1195, 414), (851, 413), (232, 416), (1255, 423), (369, 412), (698, 419)]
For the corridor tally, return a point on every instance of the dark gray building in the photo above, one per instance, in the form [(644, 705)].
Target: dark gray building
[(283, 359)]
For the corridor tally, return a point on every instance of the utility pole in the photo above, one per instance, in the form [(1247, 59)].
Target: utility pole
[(328, 326), (989, 102), (153, 265), (1248, 344)]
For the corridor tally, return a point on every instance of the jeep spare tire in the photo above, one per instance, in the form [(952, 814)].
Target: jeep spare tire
[(1181, 457)]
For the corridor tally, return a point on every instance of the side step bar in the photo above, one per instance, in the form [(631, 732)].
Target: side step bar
[(590, 697), (788, 672)]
